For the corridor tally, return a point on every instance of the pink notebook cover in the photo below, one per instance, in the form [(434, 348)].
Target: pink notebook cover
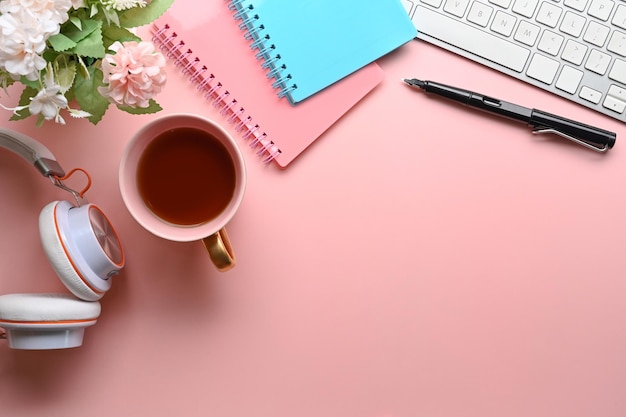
[(210, 49)]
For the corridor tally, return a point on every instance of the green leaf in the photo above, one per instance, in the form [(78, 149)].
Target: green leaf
[(83, 70), (27, 93), (76, 22), (64, 72), (60, 42), (111, 34), (6, 80), (154, 107), (139, 16), (88, 97), (69, 95), (50, 55), (87, 26), (111, 17), (91, 45)]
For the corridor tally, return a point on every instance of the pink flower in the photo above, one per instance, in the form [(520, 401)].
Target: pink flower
[(134, 73)]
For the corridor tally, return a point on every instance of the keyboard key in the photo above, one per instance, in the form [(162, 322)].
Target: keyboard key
[(456, 7), (542, 68), (550, 43), (471, 39), (525, 8), (596, 34), (598, 62), (480, 13), (572, 24), (527, 33), (617, 44), (618, 72), (574, 52), (549, 14), (618, 92), (619, 19), (601, 9), (614, 104), (569, 79), (503, 23), (591, 95)]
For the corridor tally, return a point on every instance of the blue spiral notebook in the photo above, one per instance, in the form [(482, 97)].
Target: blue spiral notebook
[(308, 45), (205, 45)]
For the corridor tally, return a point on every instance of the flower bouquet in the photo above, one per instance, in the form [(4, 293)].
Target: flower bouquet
[(81, 52)]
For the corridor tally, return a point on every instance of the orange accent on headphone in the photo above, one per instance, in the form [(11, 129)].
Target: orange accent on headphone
[(72, 172), (46, 322)]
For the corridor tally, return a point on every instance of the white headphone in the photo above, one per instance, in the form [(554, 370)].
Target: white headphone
[(84, 251)]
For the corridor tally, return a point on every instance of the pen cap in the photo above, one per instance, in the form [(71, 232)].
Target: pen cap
[(580, 131)]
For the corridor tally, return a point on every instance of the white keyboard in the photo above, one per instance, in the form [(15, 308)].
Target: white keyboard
[(573, 48)]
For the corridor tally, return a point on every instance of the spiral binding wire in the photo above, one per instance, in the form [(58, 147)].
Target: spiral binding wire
[(250, 23), (214, 91)]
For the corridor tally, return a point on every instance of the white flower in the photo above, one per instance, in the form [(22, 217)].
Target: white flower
[(49, 101), (54, 11), (25, 25), (22, 40), (120, 5)]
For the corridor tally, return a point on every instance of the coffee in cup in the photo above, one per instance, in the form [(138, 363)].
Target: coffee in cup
[(182, 177)]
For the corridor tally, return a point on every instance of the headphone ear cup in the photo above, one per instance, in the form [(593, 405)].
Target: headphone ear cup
[(46, 321), (59, 256), (76, 251)]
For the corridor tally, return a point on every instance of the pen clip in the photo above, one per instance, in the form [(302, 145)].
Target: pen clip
[(595, 147)]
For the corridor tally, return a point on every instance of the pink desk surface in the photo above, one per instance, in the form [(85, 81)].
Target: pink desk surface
[(418, 260)]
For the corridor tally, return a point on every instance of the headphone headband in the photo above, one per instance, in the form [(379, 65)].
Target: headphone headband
[(32, 151)]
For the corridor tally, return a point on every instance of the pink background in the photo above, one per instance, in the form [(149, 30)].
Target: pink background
[(418, 260)]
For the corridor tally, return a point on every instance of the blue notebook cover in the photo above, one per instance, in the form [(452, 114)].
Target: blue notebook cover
[(308, 45)]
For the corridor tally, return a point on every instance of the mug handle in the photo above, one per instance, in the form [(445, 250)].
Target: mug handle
[(220, 250)]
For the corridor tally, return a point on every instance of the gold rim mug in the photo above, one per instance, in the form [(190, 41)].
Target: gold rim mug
[(212, 233)]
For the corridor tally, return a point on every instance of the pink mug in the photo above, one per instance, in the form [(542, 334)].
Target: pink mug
[(182, 177)]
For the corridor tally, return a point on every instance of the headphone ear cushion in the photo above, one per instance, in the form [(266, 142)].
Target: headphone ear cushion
[(46, 321), (59, 256), (46, 308)]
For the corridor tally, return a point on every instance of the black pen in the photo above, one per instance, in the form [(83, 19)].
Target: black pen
[(542, 122)]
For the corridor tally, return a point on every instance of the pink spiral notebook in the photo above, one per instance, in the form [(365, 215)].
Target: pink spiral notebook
[(207, 45)]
